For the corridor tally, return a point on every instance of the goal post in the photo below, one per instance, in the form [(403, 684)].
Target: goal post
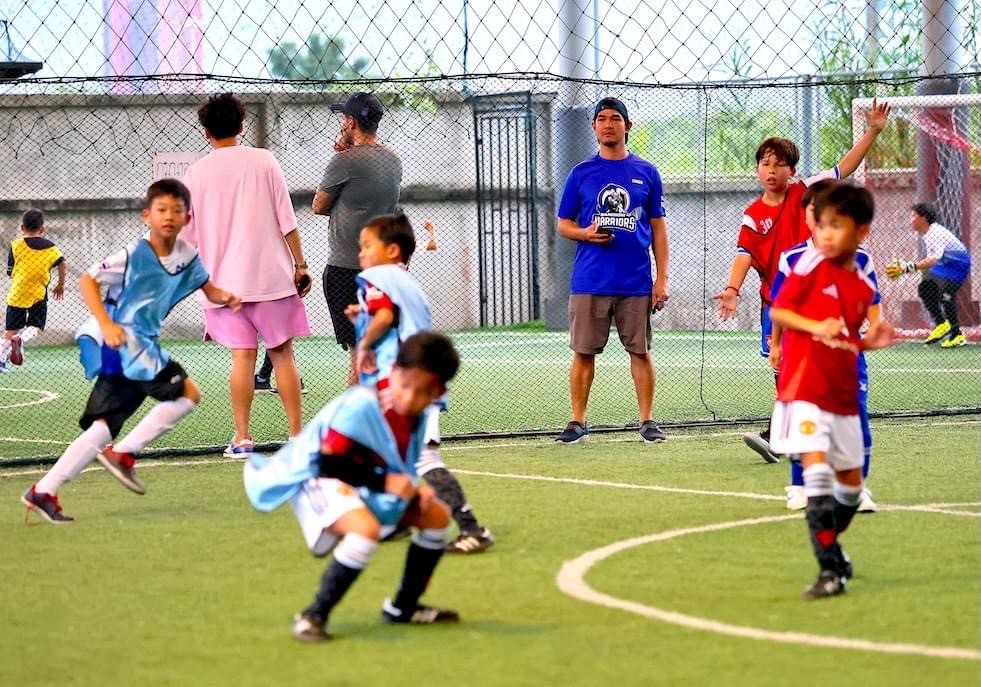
[(930, 152)]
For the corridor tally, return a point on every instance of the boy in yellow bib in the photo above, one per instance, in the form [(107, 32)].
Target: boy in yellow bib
[(29, 263)]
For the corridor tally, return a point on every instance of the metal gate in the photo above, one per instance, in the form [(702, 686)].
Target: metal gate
[(507, 213)]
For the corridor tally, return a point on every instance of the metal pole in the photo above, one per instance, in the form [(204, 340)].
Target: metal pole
[(573, 142)]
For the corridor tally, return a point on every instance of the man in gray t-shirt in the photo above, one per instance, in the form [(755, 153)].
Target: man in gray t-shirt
[(361, 181)]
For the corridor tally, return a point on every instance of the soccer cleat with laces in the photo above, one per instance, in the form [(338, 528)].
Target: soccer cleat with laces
[(471, 542), (122, 466), (651, 433), (938, 332), (263, 384), (309, 627), (827, 584), (573, 433), (46, 505), (761, 445), (954, 342), (422, 615)]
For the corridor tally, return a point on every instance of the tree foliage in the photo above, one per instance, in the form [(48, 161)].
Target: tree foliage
[(319, 58)]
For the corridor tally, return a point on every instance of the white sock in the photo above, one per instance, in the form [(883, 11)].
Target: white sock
[(29, 333), (79, 454), (4, 350), (160, 420)]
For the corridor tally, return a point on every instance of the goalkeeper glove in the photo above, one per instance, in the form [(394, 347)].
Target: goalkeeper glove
[(899, 268)]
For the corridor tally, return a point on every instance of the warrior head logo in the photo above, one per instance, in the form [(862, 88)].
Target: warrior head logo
[(614, 199)]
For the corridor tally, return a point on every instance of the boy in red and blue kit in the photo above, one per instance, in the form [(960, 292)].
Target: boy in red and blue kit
[(820, 308)]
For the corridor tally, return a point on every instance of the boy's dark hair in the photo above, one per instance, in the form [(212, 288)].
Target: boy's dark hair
[(431, 352), (167, 187), (926, 211), (783, 149), (395, 229), (850, 201), (222, 115), (33, 220), (814, 189)]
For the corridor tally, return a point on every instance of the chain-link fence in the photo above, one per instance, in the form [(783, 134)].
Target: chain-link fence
[(485, 112)]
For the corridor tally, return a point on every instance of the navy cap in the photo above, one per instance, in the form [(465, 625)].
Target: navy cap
[(611, 104), (364, 107)]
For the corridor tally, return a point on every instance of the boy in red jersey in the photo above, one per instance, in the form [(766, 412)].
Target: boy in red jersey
[(820, 308), (775, 222)]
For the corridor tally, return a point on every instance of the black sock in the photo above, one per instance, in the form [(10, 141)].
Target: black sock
[(449, 491), (821, 526), (265, 372), (843, 515), (419, 565), (334, 583)]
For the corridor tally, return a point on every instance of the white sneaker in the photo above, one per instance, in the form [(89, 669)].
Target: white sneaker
[(240, 449), (865, 503), (796, 498)]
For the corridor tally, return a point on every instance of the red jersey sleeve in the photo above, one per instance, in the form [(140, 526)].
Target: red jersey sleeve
[(376, 299)]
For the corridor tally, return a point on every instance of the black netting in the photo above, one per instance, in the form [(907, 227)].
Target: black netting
[(479, 111)]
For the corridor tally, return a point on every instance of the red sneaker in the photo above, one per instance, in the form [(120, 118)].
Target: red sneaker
[(122, 466), (46, 505), (16, 351)]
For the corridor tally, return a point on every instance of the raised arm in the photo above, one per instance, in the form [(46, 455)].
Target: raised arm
[(876, 119)]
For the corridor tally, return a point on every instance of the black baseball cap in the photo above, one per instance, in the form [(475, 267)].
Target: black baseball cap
[(611, 104), (364, 107)]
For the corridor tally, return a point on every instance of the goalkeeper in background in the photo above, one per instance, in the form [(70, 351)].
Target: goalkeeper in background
[(946, 266)]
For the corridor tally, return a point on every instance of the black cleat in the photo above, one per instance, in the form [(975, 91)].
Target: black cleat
[(761, 445), (573, 433), (262, 384), (309, 627), (46, 505), (845, 571), (422, 615), (471, 542), (827, 584)]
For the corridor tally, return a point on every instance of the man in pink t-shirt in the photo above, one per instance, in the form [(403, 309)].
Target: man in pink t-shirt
[(244, 228)]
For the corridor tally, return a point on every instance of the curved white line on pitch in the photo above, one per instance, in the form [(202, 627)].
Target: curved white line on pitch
[(571, 581), (46, 396)]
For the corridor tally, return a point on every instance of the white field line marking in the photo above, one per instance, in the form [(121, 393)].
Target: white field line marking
[(18, 440), (46, 396), (623, 485), (571, 581), (928, 508)]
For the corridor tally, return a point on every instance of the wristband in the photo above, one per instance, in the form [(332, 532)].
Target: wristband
[(909, 267), (300, 266), (733, 288)]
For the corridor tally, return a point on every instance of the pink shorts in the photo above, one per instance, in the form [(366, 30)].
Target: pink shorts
[(276, 322)]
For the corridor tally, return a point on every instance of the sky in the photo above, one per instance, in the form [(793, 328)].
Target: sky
[(644, 41)]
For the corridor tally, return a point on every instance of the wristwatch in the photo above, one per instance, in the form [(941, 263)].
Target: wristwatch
[(301, 266)]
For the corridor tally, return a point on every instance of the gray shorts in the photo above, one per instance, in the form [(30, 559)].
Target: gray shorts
[(590, 317)]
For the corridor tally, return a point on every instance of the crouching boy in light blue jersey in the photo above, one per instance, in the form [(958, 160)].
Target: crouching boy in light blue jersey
[(350, 478)]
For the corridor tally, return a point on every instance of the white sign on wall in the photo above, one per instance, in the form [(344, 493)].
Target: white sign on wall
[(172, 165)]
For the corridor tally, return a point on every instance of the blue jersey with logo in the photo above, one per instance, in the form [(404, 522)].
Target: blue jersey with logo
[(953, 260), (619, 196)]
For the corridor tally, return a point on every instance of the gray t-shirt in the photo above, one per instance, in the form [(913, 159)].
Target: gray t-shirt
[(364, 182)]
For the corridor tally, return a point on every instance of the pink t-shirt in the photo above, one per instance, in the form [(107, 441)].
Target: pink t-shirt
[(240, 211)]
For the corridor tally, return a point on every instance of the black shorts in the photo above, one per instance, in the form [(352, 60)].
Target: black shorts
[(115, 398), (341, 290), (34, 316)]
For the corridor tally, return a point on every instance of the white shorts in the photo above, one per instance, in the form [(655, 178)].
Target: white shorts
[(320, 503), (802, 427)]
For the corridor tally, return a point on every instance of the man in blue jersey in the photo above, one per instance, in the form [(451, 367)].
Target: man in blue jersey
[(945, 267), (796, 496), (612, 206)]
